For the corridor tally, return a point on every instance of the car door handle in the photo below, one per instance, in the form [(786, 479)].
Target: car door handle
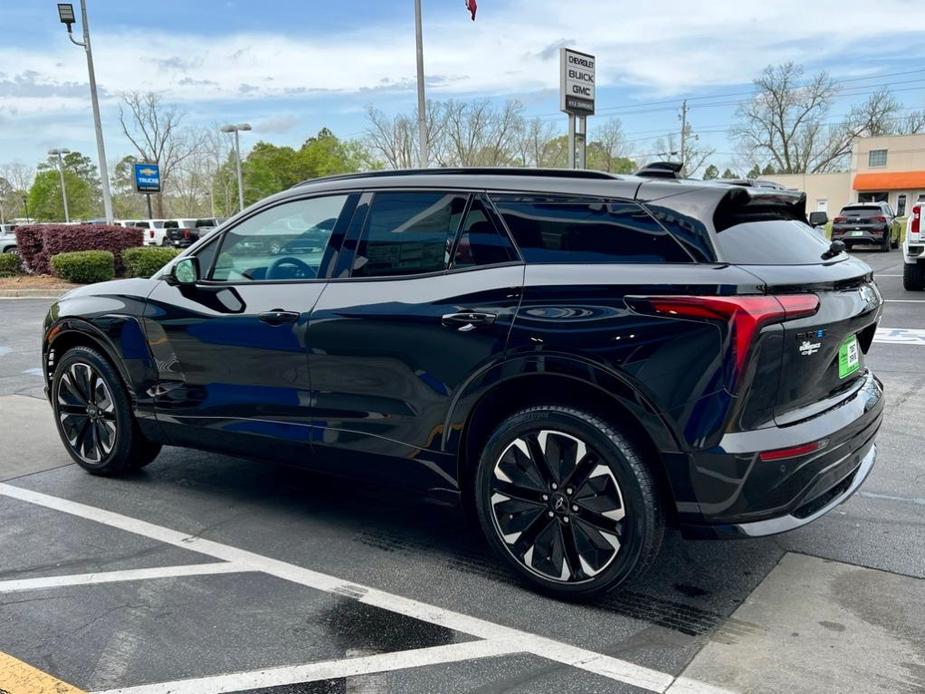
[(279, 317), (468, 320)]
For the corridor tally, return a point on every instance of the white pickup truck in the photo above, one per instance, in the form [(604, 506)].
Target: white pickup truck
[(914, 249)]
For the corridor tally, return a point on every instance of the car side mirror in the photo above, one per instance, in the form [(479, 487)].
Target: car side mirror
[(818, 219), (185, 271)]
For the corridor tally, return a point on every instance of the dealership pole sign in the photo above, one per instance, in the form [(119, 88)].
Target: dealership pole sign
[(577, 76), (147, 178)]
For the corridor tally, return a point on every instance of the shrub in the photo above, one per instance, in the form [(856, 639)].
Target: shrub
[(29, 245), (9, 264), (145, 261), (90, 237), (84, 267)]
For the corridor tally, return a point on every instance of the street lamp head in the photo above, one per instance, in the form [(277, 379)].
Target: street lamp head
[(66, 14), (227, 128), (58, 152), (244, 126), (235, 128)]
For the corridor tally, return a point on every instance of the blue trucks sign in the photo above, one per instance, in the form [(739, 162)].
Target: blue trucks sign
[(147, 178)]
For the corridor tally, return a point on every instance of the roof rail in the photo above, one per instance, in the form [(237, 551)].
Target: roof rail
[(472, 171), (661, 169)]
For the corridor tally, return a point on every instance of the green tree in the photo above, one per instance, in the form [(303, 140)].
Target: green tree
[(82, 184), (710, 173), (729, 173), (753, 172), (768, 170)]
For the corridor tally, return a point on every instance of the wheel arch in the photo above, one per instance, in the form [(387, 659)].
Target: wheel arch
[(603, 394)]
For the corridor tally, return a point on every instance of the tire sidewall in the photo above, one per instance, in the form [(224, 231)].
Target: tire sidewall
[(120, 451), (640, 523)]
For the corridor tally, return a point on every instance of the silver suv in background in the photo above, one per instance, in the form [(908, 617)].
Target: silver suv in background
[(914, 250)]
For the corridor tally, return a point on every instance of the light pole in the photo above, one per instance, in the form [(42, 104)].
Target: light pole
[(237, 155), (59, 154), (423, 154), (25, 203), (66, 15)]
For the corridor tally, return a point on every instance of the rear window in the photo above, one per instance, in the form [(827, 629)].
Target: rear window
[(772, 242), (862, 211)]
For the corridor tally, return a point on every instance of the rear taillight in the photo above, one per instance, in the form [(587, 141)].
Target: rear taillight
[(916, 224), (880, 220), (839, 220), (186, 233), (151, 234), (744, 314)]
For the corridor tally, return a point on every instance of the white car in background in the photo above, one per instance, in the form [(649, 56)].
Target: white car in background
[(914, 250), (153, 230), (7, 238)]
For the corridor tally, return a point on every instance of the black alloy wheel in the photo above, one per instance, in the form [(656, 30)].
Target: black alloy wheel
[(567, 502), (94, 416)]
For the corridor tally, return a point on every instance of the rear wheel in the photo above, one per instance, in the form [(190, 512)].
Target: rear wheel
[(94, 417), (886, 243), (913, 277), (567, 502), (895, 243)]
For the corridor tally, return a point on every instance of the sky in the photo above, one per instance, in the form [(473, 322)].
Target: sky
[(291, 67)]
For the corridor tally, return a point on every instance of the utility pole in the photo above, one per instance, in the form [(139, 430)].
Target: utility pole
[(423, 154), (58, 154), (66, 15), (683, 118)]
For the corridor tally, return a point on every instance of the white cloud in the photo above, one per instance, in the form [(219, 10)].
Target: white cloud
[(665, 47)]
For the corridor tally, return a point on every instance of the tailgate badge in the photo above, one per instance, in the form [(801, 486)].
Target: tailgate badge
[(807, 348)]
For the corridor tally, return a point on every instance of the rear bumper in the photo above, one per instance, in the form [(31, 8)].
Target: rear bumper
[(739, 495), (866, 235)]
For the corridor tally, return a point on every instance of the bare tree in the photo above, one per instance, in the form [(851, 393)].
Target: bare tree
[(156, 133), (540, 145), (609, 150), (395, 138), (695, 153), (786, 124), (480, 134), (18, 179)]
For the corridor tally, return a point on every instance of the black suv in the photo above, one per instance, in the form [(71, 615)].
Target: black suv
[(866, 223), (579, 358)]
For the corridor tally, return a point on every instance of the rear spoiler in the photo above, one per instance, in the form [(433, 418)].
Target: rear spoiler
[(742, 204)]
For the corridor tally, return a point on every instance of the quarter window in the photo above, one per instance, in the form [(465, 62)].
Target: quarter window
[(577, 231), (285, 242), (409, 233)]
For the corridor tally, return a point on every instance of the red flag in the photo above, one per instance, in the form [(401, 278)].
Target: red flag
[(472, 6)]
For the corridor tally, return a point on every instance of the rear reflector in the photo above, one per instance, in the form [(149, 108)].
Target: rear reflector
[(745, 314), (916, 224), (792, 452)]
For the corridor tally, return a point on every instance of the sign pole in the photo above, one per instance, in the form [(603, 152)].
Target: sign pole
[(571, 140), (423, 154), (581, 138), (150, 213)]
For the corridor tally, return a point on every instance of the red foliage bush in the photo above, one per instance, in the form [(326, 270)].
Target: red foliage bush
[(58, 238)]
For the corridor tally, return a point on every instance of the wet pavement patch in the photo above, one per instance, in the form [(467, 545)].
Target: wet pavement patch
[(817, 625), (132, 633)]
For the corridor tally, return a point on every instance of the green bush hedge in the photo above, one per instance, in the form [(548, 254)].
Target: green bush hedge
[(84, 267), (9, 264), (146, 260)]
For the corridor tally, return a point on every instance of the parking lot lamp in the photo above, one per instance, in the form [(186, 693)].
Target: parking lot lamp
[(59, 154), (25, 203), (66, 15), (237, 156)]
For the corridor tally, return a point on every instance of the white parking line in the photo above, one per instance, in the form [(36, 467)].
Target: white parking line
[(597, 663), (900, 336), (331, 669), (20, 584), (905, 301)]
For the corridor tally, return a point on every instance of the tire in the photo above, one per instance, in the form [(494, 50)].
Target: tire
[(913, 277), (886, 244), (894, 244), (94, 416), (559, 508)]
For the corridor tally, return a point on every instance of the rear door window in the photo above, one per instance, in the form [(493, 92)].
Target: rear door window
[(481, 242), (575, 230), (772, 242), (409, 233)]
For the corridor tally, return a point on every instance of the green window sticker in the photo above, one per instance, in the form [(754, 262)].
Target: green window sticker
[(849, 357)]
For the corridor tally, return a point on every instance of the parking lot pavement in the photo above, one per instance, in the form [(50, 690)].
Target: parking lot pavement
[(211, 574)]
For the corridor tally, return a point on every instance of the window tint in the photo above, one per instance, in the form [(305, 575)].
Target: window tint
[(862, 211), (480, 241), (408, 233), (775, 242), (285, 242), (587, 232)]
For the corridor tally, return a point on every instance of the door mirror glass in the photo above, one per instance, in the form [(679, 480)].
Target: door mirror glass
[(186, 271), (818, 219)]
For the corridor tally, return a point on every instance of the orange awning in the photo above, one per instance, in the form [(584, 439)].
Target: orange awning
[(894, 180)]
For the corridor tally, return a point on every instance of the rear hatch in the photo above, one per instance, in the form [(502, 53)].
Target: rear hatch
[(858, 219), (181, 237), (821, 356)]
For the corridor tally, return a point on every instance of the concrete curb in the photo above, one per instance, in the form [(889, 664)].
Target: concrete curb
[(33, 293)]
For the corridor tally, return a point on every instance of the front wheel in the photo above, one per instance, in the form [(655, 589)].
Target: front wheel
[(94, 416), (567, 502)]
